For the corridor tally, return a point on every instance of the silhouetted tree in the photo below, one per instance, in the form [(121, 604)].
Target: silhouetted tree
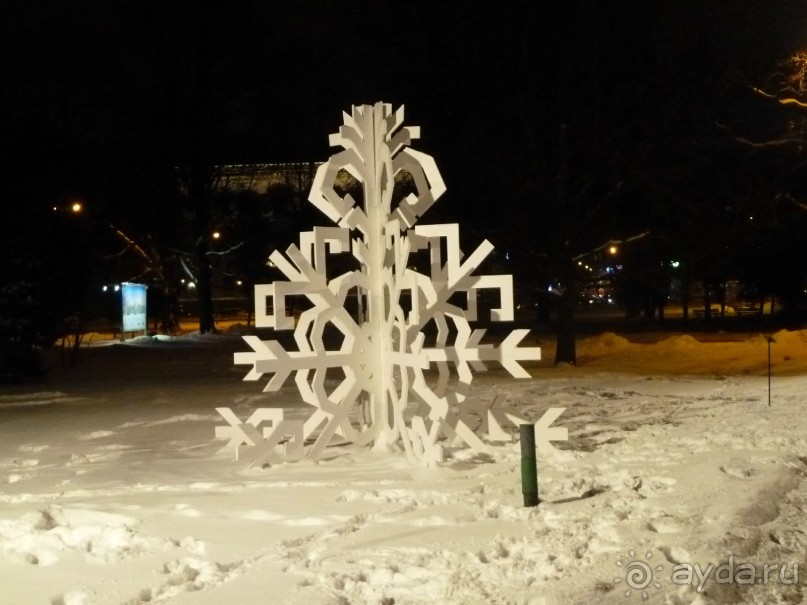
[(197, 63)]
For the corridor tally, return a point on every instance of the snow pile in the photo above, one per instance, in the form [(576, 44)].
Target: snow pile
[(788, 338), (605, 343), (40, 537), (681, 343)]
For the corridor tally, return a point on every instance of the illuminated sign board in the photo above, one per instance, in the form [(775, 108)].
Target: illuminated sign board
[(133, 297)]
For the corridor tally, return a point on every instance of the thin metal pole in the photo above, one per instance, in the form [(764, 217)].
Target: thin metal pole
[(769, 373), (770, 339)]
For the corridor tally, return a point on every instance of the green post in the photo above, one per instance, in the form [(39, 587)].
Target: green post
[(529, 467)]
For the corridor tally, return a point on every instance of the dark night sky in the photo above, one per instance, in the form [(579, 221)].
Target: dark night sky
[(92, 87), (557, 125)]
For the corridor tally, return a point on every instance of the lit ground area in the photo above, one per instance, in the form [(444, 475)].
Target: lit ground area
[(115, 490)]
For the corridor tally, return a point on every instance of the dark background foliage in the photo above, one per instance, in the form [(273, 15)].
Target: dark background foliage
[(557, 126)]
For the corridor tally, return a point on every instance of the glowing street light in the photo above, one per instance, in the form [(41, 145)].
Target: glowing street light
[(76, 207), (216, 235), (612, 250)]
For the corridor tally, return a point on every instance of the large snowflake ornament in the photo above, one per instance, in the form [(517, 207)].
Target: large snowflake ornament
[(395, 371)]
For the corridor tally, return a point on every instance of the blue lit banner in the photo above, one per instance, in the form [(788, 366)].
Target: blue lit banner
[(134, 307)]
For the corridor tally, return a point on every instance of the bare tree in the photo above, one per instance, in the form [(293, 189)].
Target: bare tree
[(201, 57)]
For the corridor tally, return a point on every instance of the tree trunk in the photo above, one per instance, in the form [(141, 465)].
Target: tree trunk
[(200, 202), (203, 288), (707, 302), (566, 351), (685, 293)]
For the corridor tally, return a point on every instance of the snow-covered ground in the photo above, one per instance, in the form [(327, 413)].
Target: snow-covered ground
[(113, 489)]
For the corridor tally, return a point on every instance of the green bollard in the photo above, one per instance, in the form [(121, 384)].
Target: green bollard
[(529, 467)]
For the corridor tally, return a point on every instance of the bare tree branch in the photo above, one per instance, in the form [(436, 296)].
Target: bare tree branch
[(612, 242), (762, 144), (230, 250), (789, 198)]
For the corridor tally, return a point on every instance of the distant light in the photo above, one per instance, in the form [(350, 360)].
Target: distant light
[(580, 263), (76, 207), (612, 250), (104, 289), (55, 208), (549, 289), (216, 235), (675, 264), (750, 218), (238, 282), (117, 287), (191, 285)]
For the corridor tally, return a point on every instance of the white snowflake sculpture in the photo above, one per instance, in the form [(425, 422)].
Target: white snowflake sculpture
[(377, 385)]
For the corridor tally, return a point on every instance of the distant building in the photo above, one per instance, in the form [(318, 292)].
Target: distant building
[(297, 176), (260, 178)]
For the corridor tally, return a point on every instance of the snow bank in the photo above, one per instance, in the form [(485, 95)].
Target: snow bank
[(683, 343), (605, 343)]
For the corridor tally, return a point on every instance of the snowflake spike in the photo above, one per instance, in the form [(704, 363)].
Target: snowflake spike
[(260, 350), (511, 353)]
